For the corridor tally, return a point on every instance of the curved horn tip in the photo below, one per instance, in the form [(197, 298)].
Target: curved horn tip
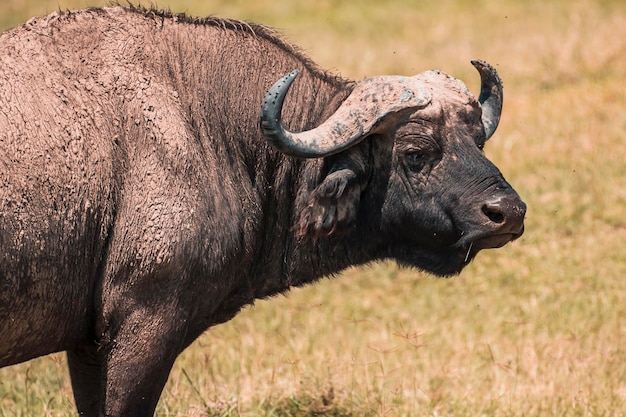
[(287, 79), (280, 87), (487, 70), (490, 97), (273, 101)]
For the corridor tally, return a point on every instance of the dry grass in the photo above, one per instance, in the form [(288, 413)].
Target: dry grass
[(537, 328)]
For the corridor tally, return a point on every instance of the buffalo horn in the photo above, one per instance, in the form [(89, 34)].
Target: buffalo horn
[(357, 117), (490, 97)]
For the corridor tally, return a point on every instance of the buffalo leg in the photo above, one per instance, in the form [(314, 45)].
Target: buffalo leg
[(139, 362), (86, 375)]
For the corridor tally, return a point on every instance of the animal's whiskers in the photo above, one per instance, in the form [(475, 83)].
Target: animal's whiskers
[(469, 249)]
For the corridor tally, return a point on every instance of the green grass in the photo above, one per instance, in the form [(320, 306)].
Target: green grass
[(537, 328)]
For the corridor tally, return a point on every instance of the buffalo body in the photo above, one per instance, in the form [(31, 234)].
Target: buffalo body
[(141, 201)]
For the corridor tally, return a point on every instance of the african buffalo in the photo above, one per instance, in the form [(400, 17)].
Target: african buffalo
[(150, 188)]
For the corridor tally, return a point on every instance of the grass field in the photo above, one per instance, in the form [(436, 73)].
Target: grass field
[(537, 328)]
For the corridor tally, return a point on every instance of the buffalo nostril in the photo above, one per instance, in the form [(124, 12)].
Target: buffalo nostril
[(493, 213), (505, 214)]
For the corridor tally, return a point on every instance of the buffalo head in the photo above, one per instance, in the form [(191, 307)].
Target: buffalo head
[(428, 197)]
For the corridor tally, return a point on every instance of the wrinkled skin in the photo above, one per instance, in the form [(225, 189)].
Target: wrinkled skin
[(140, 203)]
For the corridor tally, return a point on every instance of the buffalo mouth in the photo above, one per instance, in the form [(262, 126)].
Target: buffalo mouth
[(447, 261), (472, 246)]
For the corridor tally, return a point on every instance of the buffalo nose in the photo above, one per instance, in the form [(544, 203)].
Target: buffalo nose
[(506, 214)]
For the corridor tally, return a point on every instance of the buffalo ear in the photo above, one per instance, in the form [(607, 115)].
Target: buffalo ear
[(332, 205)]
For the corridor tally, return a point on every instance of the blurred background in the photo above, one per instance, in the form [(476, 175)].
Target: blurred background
[(534, 329)]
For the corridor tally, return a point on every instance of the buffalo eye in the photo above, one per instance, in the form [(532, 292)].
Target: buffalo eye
[(416, 160)]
